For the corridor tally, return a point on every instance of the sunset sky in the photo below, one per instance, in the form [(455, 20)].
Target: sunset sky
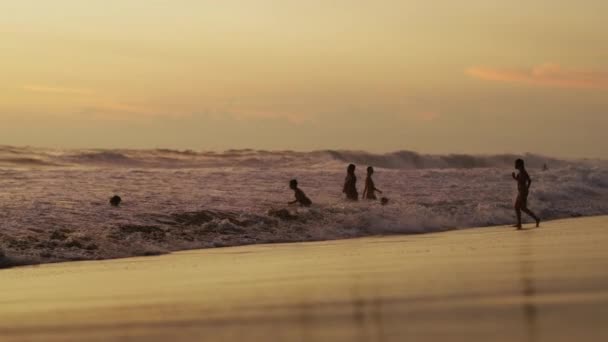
[(470, 76)]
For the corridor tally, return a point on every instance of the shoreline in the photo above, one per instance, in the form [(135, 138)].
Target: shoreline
[(8, 261), (540, 284)]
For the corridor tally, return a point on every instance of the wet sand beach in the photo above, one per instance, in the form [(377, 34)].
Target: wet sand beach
[(486, 284)]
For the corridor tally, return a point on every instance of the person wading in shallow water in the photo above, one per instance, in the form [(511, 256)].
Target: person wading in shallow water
[(523, 187), (370, 188), (300, 196), (350, 184)]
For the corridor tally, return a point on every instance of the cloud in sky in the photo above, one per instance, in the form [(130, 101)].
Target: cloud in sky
[(109, 110), (56, 90), (246, 114), (93, 104), (74, 101), (546, 75)]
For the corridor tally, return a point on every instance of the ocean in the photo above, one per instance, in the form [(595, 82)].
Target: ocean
[(54, 204)]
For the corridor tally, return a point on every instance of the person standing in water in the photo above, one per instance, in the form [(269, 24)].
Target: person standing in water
[(523, 188), (370, 188), (350, 184), (301, 198)]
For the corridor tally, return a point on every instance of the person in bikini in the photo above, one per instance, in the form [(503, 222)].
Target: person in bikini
[(523, 188)]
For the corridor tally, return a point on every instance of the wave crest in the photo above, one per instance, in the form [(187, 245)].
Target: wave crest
[(167, 158)]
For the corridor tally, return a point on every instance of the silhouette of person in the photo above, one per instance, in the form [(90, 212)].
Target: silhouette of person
[(300, 196), (369, 192), (350, 184), (115, 200), (523, 187)]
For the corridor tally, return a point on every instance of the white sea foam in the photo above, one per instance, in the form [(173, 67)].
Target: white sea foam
[(54, 204)]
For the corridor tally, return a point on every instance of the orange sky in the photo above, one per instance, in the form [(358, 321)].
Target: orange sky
[(442, 76)]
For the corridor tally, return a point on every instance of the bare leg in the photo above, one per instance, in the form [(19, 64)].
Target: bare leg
[(518, 212), (529, 212)]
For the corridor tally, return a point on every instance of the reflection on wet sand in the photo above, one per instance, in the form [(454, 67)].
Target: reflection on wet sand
[(306, 322), (367, 315), (529, 291)]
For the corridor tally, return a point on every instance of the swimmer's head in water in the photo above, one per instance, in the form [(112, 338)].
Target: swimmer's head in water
[(351, 168), (384, 201), (519, 164), (370, 170), (115, 200), (293, 184)]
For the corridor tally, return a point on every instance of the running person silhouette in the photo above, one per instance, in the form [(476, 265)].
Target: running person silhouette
[(523, 188)]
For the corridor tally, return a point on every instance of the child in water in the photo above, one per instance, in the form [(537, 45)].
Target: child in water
[(523, 187), (350, 184), (300, 196), (370, 188)]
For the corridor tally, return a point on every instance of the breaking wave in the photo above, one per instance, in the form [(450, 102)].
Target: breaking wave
[(167, 158)]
